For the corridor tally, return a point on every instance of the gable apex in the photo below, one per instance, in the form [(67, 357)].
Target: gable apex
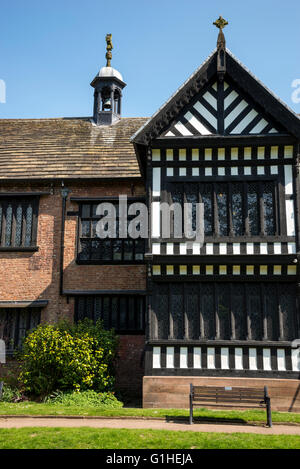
[(253, 108)]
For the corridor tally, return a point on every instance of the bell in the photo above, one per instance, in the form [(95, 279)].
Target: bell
[(107, 103)]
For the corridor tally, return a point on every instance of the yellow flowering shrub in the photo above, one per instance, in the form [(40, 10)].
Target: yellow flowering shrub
[(68, 358)]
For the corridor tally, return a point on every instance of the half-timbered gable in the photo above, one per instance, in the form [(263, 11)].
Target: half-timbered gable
[(222, 108)]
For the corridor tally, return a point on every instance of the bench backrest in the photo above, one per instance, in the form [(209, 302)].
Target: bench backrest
[(227, 394)]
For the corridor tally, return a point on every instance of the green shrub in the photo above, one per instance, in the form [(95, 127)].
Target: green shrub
[(66, 357), (10, 394), (85, 399)]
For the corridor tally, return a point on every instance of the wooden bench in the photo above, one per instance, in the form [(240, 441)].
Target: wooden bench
[(230, 397)]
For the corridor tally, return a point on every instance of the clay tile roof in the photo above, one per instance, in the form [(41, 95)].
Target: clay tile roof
[(67, 148)]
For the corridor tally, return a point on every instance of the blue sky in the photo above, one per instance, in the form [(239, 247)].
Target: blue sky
[(51, 50)]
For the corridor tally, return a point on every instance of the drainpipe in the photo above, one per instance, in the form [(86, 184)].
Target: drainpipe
[(64, 193)]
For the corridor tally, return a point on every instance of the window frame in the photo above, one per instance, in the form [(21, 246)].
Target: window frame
[(91, 218), (229, 184), (16, 200), (16, 324), (162, 299), (109, 298)]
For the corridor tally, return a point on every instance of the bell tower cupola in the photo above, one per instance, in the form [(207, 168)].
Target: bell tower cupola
[(108, 85)]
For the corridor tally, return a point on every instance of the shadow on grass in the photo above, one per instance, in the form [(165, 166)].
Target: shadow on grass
[(210, 419)]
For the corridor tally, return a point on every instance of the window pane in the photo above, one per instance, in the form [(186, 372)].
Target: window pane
[(117, 250), (94, 229), (192, 311), (97, 309), (271, 311), (106, 253), (139, 249), (253, 209), (29, 213), (222, 210), (128, 250), (94, 210), (123, 313), (254, 311), (237, 210), (140, 313), (131, 313), (35, 318), (95, 245), (80, 309), (160, 322), (223, 295), (8, 227), (177, 198), (89, 307), (106, 312), (237, 306), (268, 201), (114, 312), (207, 310), (85, 210), (85, 229), (176, 307), (23, 319), (177, 193), (206, 199), (18, 234), (287, 297), (192, 199), (84, 253)]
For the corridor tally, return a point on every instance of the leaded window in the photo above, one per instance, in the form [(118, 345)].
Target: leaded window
[(15, 323), (224, 310), (116, 249), (18, 222), (124, 313), (231, 209)]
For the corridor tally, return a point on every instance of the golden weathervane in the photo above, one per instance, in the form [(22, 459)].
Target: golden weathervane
[(109, 48)]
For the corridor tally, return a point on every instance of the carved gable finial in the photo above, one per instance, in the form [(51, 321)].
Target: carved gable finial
[(220, 23)]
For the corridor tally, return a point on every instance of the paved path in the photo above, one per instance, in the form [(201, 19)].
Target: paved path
[(20, 422)]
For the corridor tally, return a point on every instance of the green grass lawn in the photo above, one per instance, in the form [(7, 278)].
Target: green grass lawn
[(91, 438), (33, 408)]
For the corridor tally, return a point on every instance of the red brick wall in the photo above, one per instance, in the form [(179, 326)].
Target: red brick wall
[(130, 365), (36, 275), (173, 391)]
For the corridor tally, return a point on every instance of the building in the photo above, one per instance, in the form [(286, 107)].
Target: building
[(224, 311)]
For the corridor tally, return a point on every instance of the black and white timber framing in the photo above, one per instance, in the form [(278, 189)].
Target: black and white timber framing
[(229, 307)]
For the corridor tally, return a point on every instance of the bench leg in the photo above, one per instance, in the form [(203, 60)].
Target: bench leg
[(268, 406), (269, 412), (191, 409)]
